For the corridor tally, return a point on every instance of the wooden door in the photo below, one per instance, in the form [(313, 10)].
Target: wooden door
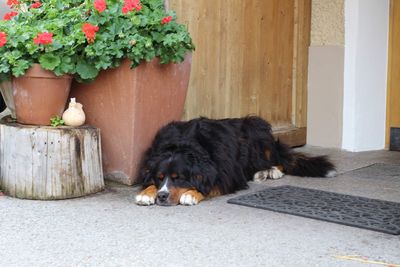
[(251, 58), (393, 99)]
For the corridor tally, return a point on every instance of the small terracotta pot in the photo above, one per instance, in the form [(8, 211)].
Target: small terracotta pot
[(40, 95)]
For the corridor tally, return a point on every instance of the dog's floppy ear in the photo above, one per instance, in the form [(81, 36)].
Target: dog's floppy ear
[(145, 177), (146, 169), (204, 176)]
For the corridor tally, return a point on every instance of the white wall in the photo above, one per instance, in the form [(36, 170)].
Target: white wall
[(325, 96), (325, 74), (365, 74)]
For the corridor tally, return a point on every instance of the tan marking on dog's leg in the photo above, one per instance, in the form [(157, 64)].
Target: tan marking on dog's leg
[(191, 197), (215, 192), (147, 196), (279, 167), (175, 194)]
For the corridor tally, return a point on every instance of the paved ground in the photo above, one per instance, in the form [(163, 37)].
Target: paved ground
[(108, 229)]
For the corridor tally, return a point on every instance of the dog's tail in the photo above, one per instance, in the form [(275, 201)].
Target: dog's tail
[(299, 164)]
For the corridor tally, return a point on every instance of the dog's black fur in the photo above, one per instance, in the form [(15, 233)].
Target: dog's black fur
[(221, 156)]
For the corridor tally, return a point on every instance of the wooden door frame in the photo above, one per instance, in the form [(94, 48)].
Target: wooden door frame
[(393, 78), (296, 134)]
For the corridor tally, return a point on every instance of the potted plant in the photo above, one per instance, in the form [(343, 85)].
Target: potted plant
[(57, 40), (39, 52)]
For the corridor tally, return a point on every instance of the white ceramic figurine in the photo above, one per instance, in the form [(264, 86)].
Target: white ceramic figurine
[(74, 115)]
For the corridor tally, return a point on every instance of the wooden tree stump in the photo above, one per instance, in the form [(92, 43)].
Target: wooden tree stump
[(40, 162)]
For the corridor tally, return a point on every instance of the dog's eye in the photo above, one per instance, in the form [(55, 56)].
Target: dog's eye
[(160, 175), (174, 175)]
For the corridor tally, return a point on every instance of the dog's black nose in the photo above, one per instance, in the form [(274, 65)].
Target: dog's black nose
[(162, 196)]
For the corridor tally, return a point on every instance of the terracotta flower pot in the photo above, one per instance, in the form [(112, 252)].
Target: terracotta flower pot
[(129, 106), (40, 95)]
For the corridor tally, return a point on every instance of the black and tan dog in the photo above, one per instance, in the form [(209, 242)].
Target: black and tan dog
[(198, 159)]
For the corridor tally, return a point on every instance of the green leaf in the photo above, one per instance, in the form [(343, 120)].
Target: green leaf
[(4, 67), (20, 68), (158, 37), (67, 66), (104, 64), (86, 71), (56, 121), (13, 56), (135, 20), (49, 61)]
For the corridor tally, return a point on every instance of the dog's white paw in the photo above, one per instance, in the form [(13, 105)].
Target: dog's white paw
[(145, 200), (260, 176), (188, 200), (275, 173)]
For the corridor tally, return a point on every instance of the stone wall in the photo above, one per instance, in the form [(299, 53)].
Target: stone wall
[(327, 22)]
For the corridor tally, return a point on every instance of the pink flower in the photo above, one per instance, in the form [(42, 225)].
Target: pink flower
[(90, 31), (10, 15), (36, 5), (100, 5), (3, 38), (166, 20), (43, 38), (130, 5)]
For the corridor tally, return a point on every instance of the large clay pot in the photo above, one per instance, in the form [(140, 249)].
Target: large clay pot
[(40, 95), (129, 106)]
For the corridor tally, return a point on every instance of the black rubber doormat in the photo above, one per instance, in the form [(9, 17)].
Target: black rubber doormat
[(372, 214)]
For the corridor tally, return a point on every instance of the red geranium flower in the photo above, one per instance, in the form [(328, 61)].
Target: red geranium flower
[(10, 15), (90, 31), (100, 5), (166, 20), (43, 38), (36, 5), (13, 2), (129, 5), (3, 38)]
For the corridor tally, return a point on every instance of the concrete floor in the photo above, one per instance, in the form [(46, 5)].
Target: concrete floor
[(108, 229)]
